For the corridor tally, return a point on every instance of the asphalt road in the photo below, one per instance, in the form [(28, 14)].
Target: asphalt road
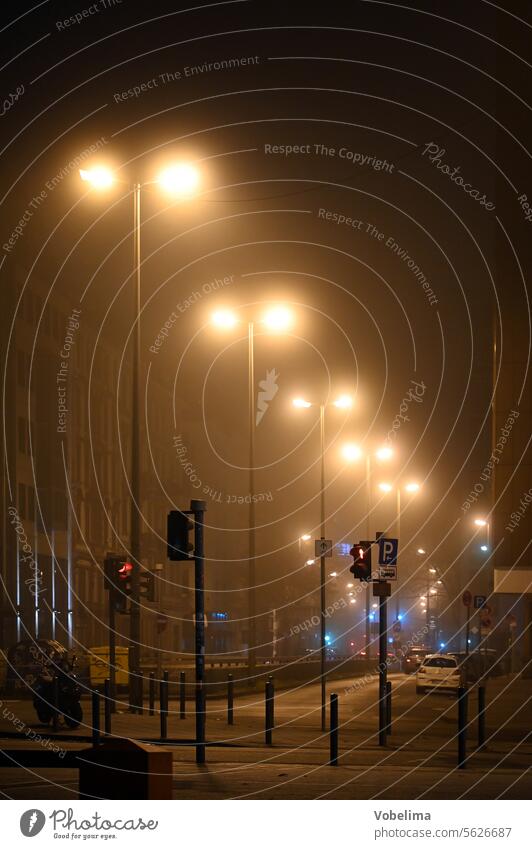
[(420, 760)]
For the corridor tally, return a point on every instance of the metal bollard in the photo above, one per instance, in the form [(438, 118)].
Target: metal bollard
[(55, 720), (382, 716), (95, 718), (107, 707), (388, 707), (151, 697), (268, 712), (481, 716), (462, 727), (163, 705), (182, 696), (200, 723), (230, 686), (333, 730)]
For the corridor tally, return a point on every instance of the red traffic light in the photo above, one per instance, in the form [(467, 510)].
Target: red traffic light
[(361, 554), (125, 571)]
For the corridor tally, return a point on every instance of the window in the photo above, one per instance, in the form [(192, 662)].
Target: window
[(441, 662)]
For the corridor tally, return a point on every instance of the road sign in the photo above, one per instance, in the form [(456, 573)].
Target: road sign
[(387, 573), (479, 601), (467, 598), (388, 549), (323, 548)]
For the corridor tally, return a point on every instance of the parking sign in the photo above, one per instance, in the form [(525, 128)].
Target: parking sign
[(388, 549)]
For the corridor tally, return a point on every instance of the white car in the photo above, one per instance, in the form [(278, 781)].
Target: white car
[(438, 672)]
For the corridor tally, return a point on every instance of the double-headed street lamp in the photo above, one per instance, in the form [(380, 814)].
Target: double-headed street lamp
[(352, 452), (181, 179), (411, 488), (344, 402), (275, 320)]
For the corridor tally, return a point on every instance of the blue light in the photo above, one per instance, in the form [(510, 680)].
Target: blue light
[(400, 617), (442, 645), (328, 639), (390, 639), (371, 617), (483, 547)]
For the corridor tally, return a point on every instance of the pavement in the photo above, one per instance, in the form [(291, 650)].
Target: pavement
[(419, 760)]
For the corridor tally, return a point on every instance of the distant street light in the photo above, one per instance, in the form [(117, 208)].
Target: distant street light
[(343, 402), (353, 452), (411, 487), (184, 180), (276, 319)]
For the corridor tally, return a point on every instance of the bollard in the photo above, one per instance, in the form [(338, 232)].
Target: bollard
[(272, 715), (481, 716), (388, 707), (182, 696), (462, 727), (230, 686), (95, 718), (333, 730), (151, 695), (200, 723), (163, 705), (268, 712), (107, 707), (55, 719), (382, 716)]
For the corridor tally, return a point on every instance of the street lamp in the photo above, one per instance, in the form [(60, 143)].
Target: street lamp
[(353, 452), (484, 523), (411, 487), (344, 402), (181, 179), (276, 319)]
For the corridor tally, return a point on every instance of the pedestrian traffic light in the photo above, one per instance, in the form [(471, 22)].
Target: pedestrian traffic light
[(178, 529), (117, 580), (361, 553)]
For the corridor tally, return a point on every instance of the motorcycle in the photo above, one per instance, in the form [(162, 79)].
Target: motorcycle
[(68, 694), (37, 665)]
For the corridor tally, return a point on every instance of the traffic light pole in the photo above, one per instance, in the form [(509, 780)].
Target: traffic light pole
[(198, 508), (382, 589), (323, 600), (112, 652)]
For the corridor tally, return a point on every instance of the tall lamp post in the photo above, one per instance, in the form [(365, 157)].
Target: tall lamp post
[(182, 180), (276, 319), (354, 452), (411, 488), (343, 402)]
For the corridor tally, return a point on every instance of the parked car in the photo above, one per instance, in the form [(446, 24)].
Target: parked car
[(414, 658), (438, 672)]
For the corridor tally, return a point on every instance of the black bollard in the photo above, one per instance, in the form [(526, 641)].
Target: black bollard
[(95, 718), (462, 727), (152, 694), (333, 730), (388, 707), (163, 705), (268, 712), (481, 715), (107, 707), (200, 723), (272, 716), (230, 685), (182, 696), (55, 719)]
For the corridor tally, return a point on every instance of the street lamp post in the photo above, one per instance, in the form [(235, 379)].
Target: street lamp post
[(180, 179), (277, 319), (343, 402)]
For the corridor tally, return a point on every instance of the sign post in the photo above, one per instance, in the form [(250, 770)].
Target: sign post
[(198, 508), (387, 564), (467, 599), (323, 549)]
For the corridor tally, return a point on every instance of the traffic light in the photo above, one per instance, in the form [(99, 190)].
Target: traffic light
[(117, 580), (178, 529), (361, 568), (147, 585)]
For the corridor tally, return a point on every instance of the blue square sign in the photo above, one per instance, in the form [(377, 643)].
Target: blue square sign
[(388, 549)]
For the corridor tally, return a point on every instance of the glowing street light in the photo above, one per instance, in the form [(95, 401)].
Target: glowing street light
[(421, 551), (481, 523), (384, 453), (224, 319), (344, 402), (412, 487), (277, 319), (351, 452), (180, 179), (385, 487), (306, 537), (300, 403), (310, 562), (99, 177)]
